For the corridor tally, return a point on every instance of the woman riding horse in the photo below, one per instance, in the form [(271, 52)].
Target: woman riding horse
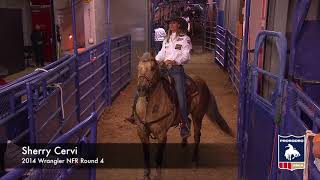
[(174, 53)]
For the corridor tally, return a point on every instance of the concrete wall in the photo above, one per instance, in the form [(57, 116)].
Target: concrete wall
[(212, 10), (127, 15), (257, 21), (232, 9), (130, 17), (280, 18), (26, 16), (277, 21), (100, 20), (89, 17)]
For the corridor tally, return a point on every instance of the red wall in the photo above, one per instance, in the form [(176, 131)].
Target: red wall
[(40, 2), (41, 15)]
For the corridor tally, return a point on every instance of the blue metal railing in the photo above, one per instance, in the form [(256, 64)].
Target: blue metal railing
[(87, 125), (41, 107), (93, 77), (221, 44), (233, 48)]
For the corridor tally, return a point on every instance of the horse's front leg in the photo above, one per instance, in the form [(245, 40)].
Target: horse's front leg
[(160, 150), (144, 137), (146, 155)]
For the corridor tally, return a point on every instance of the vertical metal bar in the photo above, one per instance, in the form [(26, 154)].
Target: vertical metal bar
[(108, 63), (93, 80), (53, 28), (105, 75), (12, 100), (44, 88), (130, 41), (243, 88), (74, 29), (93, 141), (75, 51), (59, 106), (32, 129), (148, 25)]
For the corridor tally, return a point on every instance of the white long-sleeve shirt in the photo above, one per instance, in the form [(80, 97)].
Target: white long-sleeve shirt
[(177, 49)]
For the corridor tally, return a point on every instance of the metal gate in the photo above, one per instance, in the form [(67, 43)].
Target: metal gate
[(287, 111), (260, 127)]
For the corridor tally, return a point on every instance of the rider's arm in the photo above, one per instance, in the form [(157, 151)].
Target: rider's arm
[(185, 51), (161, 54)]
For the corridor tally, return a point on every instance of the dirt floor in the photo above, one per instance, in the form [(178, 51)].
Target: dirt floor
[(113, 129)]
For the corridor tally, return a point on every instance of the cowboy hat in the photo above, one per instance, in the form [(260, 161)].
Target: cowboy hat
[(183, 23)]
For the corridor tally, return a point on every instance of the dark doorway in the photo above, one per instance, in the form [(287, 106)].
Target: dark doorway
[(11, 38)]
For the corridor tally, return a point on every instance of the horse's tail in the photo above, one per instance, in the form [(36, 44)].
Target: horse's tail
[(215, 116)]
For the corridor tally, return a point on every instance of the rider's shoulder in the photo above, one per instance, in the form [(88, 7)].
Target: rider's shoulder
[(184, 36)]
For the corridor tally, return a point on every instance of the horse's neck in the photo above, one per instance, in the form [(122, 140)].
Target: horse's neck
[(158, 103), (159, 96)]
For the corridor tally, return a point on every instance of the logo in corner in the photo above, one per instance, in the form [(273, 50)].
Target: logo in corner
[(291, 152)]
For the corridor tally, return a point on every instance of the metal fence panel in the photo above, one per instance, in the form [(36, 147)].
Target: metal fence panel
[(13, 106), (209, 35), (52, 102), (233, 55), (220, 48), (120, 61), (40, 107), (93, 82)]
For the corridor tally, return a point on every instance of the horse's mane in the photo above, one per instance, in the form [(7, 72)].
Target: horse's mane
[(147, 57)]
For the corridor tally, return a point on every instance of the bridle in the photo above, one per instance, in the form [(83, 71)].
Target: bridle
[(152, 83)]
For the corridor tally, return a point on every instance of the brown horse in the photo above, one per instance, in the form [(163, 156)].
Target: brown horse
[(155, 112)]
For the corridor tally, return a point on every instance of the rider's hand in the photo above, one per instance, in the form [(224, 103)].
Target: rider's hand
[(160, 63), (170, 62)]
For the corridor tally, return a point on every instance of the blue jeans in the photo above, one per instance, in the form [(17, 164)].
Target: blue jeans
[(177, 73)]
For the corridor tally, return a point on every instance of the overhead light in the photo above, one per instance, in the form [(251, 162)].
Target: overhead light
[(70, 36)]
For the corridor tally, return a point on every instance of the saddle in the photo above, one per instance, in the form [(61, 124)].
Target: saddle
[(191, 92)]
